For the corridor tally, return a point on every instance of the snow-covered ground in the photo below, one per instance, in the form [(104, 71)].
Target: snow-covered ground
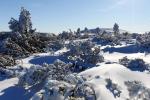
[(96, 76), (118, 74)]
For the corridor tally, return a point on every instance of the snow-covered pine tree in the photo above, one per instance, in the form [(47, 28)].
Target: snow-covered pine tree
[(116, 29), (25, 24), (78, 32), (86, 30), (14, 25)]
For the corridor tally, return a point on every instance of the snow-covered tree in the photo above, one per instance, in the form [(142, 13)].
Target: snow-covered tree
[(116, 29), (78, 32), (14, 25), (97, 30), (86, 30), (25, 23)]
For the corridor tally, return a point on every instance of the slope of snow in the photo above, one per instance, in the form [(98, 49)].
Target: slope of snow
[(118, 74)]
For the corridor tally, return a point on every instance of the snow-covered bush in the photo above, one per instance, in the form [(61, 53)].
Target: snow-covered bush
[(66, 35), (55, 45), (56, 90), (32, 76), (6, 72), (126, 37), (124, 61), (84, 52), (85, 92), (12, 48), (10, 71), (74, 87), (114, 88), (143, 41), (36, 74), (135, 64), (137, 91), (6, 60), (106, 39)]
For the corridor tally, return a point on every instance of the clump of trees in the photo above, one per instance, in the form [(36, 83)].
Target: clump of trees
[(24, 24), (135, 64), (23, 40)]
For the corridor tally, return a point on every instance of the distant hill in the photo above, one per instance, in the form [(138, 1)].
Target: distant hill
[(109, 30)]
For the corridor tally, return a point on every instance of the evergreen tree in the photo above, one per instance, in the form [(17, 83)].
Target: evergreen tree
[(25, 23), (78, 32), (14, 25), (98, 30), (116, 29), (86, 30)]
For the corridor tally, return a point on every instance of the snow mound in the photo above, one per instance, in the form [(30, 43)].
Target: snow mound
[(118, 74)]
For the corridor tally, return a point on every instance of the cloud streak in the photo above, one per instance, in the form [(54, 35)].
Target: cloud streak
[(117, 3)]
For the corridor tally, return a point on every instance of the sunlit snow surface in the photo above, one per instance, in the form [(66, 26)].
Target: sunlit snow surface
[(116, 72)]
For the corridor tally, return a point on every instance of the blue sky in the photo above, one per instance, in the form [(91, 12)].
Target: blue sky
[(59, 15)]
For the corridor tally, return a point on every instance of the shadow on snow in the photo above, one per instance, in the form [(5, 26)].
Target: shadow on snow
[(44, 59), (19, 93), (127, 49)]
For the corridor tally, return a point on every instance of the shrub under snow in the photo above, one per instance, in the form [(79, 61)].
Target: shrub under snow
[(72, 88), (107, 39), (6, 60), (114, 88), (37, 74), (143, 41), (135, 64), (137, 91), (84, 53)]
